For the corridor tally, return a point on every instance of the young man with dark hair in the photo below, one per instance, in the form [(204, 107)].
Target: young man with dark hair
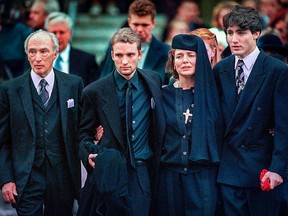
[(253, 90)]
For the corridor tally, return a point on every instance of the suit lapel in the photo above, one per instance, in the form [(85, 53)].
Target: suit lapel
[(156, 94), (111, 108), (250, 91), (63, 95), (152, 55), (26, 97), (228, 84)]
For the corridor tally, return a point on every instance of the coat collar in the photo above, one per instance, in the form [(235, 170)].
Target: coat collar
[(111, 109)]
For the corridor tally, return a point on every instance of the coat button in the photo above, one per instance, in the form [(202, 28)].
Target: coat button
[(242, 146), (184, 153)]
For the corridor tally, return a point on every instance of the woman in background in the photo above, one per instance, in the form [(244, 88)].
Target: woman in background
[(211, 43)]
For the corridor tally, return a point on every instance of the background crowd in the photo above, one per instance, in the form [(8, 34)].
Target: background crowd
[(21, 17)]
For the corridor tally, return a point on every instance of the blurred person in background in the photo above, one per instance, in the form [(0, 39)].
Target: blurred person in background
[(278, 23), (210, 42), (69, 59), (175, 27), (12, 36), (219, 11), (38, 12), (268, 9), (141, 19), (272, 45)]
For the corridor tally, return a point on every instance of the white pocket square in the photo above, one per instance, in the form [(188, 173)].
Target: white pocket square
[(70, 103)]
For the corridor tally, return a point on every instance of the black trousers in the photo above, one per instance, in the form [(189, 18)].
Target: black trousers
[(239, 201), (49, 191), (138, 200)]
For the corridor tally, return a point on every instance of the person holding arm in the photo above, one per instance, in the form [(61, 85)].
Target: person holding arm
[(122, 167)]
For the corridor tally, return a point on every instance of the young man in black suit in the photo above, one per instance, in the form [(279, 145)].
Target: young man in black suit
[(253, 90), (71, 60), (131, 137), (38, 125)]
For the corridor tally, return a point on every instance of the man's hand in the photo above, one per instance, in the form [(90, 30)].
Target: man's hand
[(99, 133), (9, 192), (90, 159), (274, 178)]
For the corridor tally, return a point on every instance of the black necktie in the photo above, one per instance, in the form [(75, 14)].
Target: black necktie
[(128, 121), (44, 95), (239, 77)]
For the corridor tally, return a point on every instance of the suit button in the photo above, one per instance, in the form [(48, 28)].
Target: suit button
[(259, 109), (185, 169), (242, 146), (184, 153), (184, 136), (249, 128)]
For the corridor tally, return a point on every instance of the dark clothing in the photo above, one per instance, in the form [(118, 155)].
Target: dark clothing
[(191, 143), (177, 140), (48, 129), (256, 135), (187, 194), (12, 48), (237, 199), (249, 144), (84, 65), (140, 114), (101, 107), (155, 60), (20, 135), (50, 186)]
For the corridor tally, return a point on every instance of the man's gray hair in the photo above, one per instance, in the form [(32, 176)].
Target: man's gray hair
[(58, 17), (45, 34)]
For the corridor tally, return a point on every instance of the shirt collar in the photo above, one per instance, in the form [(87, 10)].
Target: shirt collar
[(65, 53), (50, 78), (249, 60), (121, 81)]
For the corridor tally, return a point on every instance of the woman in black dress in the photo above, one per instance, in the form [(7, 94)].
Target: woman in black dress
[(192, 140)]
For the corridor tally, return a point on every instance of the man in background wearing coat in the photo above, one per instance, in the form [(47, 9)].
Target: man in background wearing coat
[(141, 19), (71, 60)]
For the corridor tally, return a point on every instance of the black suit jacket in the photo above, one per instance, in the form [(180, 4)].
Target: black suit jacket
[(18, 130), (155, 60), (100, 107), (256, 135), (83, 64)]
